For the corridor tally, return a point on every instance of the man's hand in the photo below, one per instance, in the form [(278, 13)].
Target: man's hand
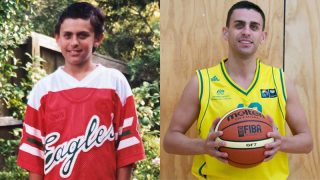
[(211, 145), (274, 147)]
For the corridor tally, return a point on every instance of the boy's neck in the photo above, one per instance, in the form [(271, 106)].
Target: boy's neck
[(79, 72)]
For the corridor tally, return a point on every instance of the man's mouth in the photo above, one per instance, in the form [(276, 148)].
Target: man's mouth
[(245, 41)]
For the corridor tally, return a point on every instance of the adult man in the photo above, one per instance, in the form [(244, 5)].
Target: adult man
[(243, 79)]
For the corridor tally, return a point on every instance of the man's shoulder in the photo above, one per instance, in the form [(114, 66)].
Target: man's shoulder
[(269, 66), (210, 68)]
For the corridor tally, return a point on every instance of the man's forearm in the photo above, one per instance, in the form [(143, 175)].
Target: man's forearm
[(300, 143), (177, 143)]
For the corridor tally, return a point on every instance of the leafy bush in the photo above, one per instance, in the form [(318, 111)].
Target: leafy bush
[(145, 67), (149, 169), (147, 98), (148, 105), (8, 150), (15, 28)]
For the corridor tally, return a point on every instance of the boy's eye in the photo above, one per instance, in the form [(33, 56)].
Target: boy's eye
[(83, 35), (67, 35)]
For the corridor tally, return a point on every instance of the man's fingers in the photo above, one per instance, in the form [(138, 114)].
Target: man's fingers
[(214, 124), (212, 136), (221, 156), (274, 144)]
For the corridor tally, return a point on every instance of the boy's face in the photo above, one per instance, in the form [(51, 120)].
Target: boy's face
[(244, 33), (76, 40)]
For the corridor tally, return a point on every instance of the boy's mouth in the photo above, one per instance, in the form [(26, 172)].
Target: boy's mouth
[(74, 52)]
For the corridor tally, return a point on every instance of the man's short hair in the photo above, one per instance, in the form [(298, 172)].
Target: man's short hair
[(85, 11), (245, 5)]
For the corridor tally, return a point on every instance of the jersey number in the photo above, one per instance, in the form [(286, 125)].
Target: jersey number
[(254, 105)]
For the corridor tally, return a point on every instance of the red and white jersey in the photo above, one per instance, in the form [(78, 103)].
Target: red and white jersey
[(80, 129)]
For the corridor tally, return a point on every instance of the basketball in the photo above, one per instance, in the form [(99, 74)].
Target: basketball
[(245, 133)]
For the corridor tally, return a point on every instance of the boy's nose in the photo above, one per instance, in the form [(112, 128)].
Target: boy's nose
[(74, 41)]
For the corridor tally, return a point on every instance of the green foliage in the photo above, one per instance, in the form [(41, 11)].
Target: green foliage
[(8, 150), (15, 94), (46, 15), (34, 72), (149, 169), (148, 105), (146, 67), (132, 27), (14, 28), (147, 100)]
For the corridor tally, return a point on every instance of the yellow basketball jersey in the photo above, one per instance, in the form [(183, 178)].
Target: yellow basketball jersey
[(219, 94)]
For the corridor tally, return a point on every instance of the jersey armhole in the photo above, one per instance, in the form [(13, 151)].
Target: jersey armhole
[(204, 96), (200, 89), (278, 82), (283, 84)]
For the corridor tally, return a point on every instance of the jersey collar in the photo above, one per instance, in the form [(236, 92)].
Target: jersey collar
[(235, 85)]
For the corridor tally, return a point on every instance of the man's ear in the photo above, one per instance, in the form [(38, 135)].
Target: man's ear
[(225, 33), (264, 37)]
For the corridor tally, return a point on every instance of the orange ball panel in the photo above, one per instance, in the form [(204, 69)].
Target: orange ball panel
[(244, 125), (244, 158)]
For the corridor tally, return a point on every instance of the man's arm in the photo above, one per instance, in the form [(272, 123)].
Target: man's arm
[(301, 139), (185, 114), (124, 173)]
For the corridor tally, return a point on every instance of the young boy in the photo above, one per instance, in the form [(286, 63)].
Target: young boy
[(81, 120)]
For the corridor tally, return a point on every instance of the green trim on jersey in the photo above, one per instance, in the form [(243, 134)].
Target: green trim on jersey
[(274, 80), (282, 85), (245, 92), (35, 142), (200, 170), (208, 100), (201, 84)]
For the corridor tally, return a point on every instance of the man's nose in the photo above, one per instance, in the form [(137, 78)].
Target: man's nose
[(246, 30)]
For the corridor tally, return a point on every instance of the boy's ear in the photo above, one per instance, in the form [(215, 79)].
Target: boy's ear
[(98, 40), (57, 37)]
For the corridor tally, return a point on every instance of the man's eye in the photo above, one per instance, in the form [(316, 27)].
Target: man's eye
[(239, 26), (254, 27)]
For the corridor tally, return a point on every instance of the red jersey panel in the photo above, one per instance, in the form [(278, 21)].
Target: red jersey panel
[(80, 129)]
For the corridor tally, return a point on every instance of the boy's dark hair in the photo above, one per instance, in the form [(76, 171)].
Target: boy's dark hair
[(85, 11), (246, 5)]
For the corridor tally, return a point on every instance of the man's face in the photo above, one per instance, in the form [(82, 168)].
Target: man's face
[(76, 40), (244, 33)]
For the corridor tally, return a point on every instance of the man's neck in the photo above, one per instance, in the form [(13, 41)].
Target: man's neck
[(241, 67), (241, 70)]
